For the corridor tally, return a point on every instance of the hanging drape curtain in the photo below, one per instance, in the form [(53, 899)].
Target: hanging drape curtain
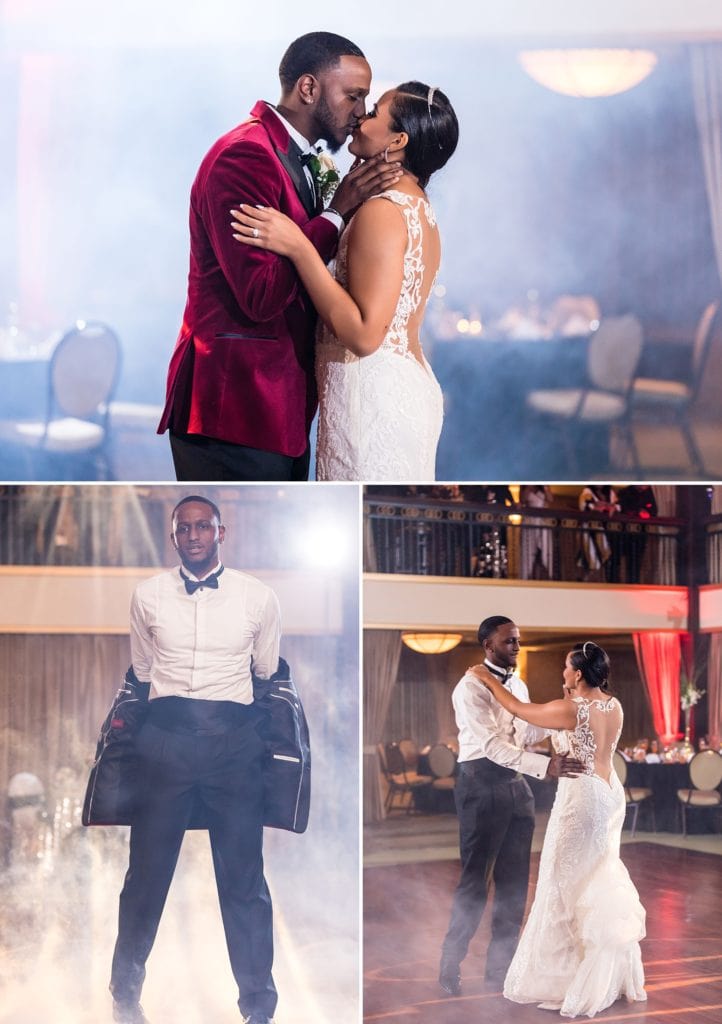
[(665, 570), (714, 541), (445, 721), (665, 496), (707, 90), (658, 658), (55, 691), (714, 691), (382, 651), (412, 711)]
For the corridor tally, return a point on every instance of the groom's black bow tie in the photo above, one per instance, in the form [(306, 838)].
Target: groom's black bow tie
[(307, 157), (503, 674), (210, 581)]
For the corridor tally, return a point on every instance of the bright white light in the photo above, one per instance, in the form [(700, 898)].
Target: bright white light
[(462, 325), (324, 546), (595, 72)]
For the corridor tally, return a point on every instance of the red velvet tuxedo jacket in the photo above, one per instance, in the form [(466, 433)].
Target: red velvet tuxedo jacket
[(243, 366)]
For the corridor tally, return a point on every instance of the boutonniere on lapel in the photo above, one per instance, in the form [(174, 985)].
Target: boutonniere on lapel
[(325, 176)]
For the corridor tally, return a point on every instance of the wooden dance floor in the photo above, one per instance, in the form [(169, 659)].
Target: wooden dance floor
[(406, 913)]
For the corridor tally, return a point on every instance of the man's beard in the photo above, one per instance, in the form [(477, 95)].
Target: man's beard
[(325, 127)]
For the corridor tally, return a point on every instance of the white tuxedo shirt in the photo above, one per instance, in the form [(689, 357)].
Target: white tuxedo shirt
[(486, 729), (203, 645)]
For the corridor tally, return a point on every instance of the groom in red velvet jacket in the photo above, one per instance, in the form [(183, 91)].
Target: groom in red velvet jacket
[(241, 391)]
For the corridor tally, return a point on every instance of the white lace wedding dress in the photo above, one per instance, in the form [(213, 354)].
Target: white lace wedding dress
[(380, 415), (579, 951)]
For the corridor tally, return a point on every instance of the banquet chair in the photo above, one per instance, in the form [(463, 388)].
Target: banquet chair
[(614, 352), (661, 401), (442, 765), (402, 781), (82, 378), (410, 750), (634, 795), (705, 773)]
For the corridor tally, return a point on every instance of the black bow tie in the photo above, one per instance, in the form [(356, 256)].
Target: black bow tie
[(306, 158), (503, 674), (210, 581)]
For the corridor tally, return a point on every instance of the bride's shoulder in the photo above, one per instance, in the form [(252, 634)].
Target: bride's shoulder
[(373, 219)]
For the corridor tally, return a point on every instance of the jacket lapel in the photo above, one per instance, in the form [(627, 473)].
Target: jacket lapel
[(292, 163), (287, 152)]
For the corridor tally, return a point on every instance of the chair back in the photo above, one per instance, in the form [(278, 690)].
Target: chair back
[(703, 335), (705, 769), (620, 767), (614, 353), (395, 763), (410, 750), (84, 370), (382, 757), (442, 761)]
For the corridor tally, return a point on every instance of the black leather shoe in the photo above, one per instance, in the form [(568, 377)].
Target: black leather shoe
[(129, 1013), (450, 980)]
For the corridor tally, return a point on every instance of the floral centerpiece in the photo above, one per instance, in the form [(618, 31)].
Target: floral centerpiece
[(689, 695)]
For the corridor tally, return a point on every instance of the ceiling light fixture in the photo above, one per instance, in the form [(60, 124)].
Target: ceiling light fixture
[(588, 73), (431, 643)]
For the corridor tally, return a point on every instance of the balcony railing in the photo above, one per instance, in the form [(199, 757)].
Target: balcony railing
[(438, 538)]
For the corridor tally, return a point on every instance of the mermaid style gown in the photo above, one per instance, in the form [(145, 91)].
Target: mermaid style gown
[(579, 951), (380, 415)]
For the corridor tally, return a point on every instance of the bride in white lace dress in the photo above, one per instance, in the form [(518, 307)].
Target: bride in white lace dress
[(380, 406), (579, 951)]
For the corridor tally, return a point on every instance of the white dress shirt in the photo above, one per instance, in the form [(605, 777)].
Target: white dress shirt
[(203, 645), (486, 729)]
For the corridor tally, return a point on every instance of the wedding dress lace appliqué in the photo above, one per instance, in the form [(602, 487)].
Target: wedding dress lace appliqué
[(579, 951), (380, 415)]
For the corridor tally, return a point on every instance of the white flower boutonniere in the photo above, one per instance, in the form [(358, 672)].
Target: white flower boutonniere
[(325, 176)]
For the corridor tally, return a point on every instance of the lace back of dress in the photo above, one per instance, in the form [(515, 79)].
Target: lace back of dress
[(421, 261), (595, 738)]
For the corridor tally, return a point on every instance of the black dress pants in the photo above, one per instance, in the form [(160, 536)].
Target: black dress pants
[(196, 457), (496, 822), (203, 751)]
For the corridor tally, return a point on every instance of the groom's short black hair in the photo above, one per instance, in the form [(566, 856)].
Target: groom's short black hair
[(198, 498), (313, 53), (490, 625)]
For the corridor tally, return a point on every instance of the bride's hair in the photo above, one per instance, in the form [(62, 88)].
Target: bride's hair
[(593, 662), (427, 117)]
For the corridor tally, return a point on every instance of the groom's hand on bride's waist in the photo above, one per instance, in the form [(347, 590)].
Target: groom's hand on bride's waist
[(562, 766), (367, 179)]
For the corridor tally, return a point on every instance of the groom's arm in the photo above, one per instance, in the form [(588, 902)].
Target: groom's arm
[(263, 284), (474, 706)]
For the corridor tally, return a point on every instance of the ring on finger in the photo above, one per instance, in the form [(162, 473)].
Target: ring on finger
[(256, 232)]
